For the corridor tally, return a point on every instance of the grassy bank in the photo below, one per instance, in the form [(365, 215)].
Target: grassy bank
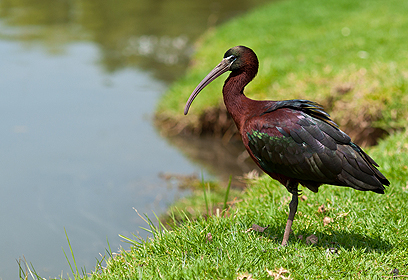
[(360, 235), (350, 56)]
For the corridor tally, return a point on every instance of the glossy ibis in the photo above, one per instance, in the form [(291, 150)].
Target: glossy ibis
[(293, 141)]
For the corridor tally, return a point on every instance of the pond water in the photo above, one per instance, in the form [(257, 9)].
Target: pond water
[(78, 85)]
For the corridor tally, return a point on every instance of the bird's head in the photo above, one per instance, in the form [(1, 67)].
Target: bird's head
[(244, 59), (238, 59)]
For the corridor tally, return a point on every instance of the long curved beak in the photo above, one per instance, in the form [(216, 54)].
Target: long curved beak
[(220, 69)]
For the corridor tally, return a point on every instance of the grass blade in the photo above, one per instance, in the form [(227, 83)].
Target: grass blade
[(76, 275), (227, 193), (205, 194)]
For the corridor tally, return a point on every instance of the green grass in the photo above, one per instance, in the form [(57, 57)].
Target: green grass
[(369, 231), (206, 198), (350, 56)]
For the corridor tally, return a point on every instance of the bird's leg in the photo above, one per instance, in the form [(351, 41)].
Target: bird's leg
[(293, 189)]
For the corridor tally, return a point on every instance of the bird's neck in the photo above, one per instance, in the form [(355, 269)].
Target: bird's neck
[(235, 100)]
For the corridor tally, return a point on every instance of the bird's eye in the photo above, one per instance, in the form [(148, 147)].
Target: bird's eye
[(231, 58)]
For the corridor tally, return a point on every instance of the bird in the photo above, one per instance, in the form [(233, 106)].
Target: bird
[(293, 141)]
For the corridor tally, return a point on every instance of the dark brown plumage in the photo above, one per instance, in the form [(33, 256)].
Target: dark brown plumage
[(293, 141)]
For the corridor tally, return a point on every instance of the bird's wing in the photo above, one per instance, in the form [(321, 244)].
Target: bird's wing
[(309, 107), (300, 141), (296, 148)]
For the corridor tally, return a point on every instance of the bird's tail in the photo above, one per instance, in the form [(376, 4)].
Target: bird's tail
[(360, 170)]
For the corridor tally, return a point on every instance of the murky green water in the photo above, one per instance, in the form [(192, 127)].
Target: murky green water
[(78, 84)]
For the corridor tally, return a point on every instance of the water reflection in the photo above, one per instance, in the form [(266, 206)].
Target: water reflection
[(77, 153), (220, 159), (79, 80), (154, 35)]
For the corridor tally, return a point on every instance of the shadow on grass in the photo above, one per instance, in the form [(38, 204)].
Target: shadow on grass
[(330, 239)]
